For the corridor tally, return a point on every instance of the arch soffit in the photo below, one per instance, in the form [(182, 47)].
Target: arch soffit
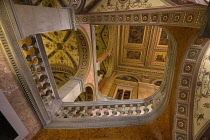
[(85, 55), (91, 86), (183, 119)]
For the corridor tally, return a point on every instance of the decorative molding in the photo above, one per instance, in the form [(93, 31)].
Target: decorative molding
[(85, 54), (189, 17), (183, 119)]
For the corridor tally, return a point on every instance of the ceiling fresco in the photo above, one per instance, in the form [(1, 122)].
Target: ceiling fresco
[(144, 47), (139, 51), (104, 66), (124, 5), (102, 39), (63, 54), (202, 96)]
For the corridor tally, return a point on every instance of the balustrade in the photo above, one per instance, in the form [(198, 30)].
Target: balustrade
[(38, 71), (104, 109)]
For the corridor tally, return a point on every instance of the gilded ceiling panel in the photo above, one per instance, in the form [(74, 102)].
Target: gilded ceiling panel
[(143, 46), (63, 54), (102, 39)]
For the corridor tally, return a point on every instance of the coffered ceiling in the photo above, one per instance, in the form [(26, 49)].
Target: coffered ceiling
[(137, 52), (142, 50)]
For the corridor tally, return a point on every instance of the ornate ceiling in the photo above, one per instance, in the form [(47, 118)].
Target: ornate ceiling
[(102, 38), (63, 54), (142, 51), (136, 50)]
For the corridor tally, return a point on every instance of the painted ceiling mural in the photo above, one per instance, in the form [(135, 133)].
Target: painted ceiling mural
[(63, 54), (124, 5), (102, 39), (139, 51), (202, 96)]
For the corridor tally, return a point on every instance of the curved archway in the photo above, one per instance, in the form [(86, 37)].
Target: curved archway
[(87, 95), (186, 89)]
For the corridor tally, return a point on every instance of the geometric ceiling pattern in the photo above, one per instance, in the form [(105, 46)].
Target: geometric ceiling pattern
[(103, 45), (63, 54), (102, 39), (136, 50), (142, 50)]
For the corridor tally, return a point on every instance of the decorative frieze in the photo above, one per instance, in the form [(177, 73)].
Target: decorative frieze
[(170, 16)]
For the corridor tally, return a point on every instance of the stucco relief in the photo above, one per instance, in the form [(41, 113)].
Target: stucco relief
[(202, 95)]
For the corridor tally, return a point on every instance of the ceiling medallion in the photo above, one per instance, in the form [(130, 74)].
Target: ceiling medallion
[(188, 68), (182, 110), (181, 124), (165, 17), (128, 18), (199, 41), (185, 82), (183, 95), (177, 18), (189, 18), (154, 18), (125, 5), (120, 18), (145, 17), (192, 54), (136, 17)]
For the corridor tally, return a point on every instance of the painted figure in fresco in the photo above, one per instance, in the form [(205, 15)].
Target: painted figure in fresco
[(133, 55), (199, 118), (163, 38), (136, 34), (160, 58)]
